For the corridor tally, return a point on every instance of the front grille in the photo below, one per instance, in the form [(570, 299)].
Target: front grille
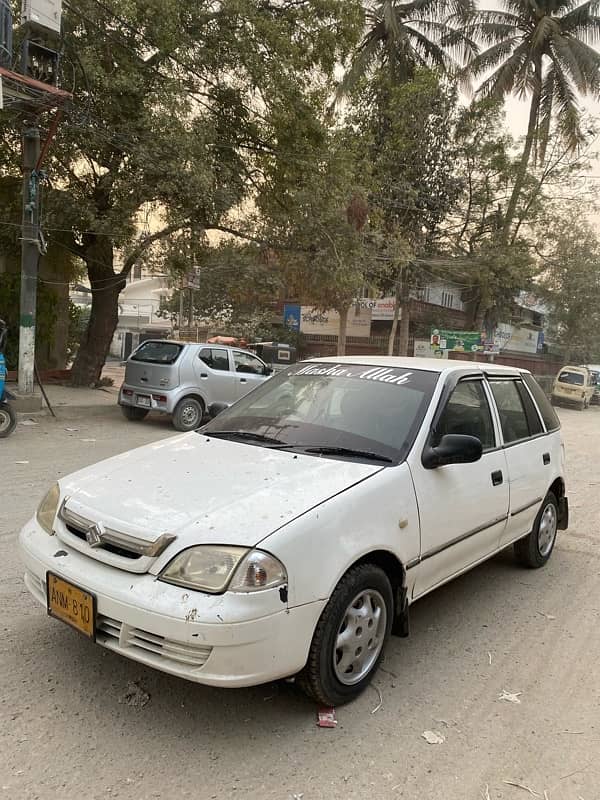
[(154, 648), (110, 548)]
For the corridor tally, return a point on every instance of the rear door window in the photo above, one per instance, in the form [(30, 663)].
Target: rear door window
[(158, 352), (513, 418), (551, 421), (215, 358)]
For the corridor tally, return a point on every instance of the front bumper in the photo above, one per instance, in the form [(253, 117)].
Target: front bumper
[(218, 640)]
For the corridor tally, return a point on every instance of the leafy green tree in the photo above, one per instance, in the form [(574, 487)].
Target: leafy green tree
[(407, 129), (401, 37), (171, 109), (570, 284), (541, 50)]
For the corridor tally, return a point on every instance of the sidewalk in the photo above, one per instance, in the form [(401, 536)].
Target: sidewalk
[(76, 400)]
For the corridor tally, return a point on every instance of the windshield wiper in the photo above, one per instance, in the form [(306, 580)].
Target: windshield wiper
[(348, 451), (253, 437)]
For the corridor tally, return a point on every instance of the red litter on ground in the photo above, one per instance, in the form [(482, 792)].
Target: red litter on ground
[(326, 718)]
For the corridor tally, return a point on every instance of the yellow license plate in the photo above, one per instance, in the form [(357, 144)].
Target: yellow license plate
[(71, 604)]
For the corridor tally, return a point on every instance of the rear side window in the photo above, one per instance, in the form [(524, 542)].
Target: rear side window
[(157, 352), (551, 421), (215, 358), (572, 378), (468, 413), (516, 423)]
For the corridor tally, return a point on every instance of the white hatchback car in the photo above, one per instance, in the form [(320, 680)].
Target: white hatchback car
[(291, 534)]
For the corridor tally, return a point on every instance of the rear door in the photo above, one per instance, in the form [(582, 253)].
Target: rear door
[(249, 372), (213, 367), (155, 365), (531, 454)]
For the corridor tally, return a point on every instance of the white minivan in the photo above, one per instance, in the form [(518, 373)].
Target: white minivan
[(291, 534)]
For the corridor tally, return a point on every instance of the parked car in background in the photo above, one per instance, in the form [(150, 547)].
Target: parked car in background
[(183, 379), (574, 386), (294, 531)]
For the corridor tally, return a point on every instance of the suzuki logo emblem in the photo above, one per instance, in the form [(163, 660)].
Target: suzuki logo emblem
[(93, 535)]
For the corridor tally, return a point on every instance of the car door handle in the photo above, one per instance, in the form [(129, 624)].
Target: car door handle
[(242, 380), (497, 478), (203, 375), (546, 458)]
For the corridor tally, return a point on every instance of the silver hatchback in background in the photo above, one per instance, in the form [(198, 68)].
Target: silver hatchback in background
[(183, 379)]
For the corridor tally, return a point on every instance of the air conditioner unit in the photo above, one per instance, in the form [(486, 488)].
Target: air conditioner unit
[(42, 14)]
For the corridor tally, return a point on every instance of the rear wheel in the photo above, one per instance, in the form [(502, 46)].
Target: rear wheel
[(134, 414), (350, 637), (188, 414), (535, 549), (8, 420)]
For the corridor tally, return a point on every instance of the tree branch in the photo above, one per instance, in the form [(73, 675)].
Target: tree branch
[(145, 243)]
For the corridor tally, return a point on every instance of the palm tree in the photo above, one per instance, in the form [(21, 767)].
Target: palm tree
[(402, 36), (541, 49)]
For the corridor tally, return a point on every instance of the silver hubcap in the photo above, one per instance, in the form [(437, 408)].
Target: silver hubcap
[(360, 637), (5, 421), (190, 416), (547, 530)]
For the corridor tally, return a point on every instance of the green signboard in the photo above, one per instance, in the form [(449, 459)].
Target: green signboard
[(458, 341)]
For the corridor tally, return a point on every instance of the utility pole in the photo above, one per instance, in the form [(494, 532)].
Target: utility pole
[(30, 255)]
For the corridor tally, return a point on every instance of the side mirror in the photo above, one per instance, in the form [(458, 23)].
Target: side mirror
[(267, 370), (453, 449), (215, 409)]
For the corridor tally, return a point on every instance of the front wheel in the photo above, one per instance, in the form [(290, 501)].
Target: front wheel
[(535, 549), (350, 637), (8, 420), (188, 414)]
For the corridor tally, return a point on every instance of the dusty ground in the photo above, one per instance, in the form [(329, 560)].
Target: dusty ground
[(64, 734)]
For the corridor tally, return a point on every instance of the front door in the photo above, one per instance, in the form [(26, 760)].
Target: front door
[(463, 508), (249, 372), (215, 376)]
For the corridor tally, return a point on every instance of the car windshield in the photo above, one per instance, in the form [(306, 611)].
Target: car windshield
[(157, 352), (574, 378), (336, 410)]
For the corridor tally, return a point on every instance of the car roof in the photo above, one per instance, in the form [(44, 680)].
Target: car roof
[(195, 344), (429, 364)]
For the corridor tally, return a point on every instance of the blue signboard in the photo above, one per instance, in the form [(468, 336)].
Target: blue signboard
[(291, 317)]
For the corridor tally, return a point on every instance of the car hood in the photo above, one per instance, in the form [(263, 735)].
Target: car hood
[(207, 490)]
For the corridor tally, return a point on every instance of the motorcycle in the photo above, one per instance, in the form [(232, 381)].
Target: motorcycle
[(8, 418)]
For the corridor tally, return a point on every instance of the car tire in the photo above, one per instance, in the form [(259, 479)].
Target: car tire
[(534, 550), (188, 414), (343, 657), (134, 414)]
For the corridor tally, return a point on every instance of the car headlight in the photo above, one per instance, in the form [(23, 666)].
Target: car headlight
[(215, 568), (46, 512)]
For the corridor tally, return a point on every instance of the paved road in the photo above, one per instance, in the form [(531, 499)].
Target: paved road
[(64, 734)]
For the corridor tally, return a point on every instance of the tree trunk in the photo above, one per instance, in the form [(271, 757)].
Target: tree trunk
[(96, 340), (404, 321), (524, 163), (341, 349), (397, 297)]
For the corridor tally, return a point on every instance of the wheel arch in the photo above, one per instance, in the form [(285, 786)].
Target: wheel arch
[(193, 395), (396, 574)]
